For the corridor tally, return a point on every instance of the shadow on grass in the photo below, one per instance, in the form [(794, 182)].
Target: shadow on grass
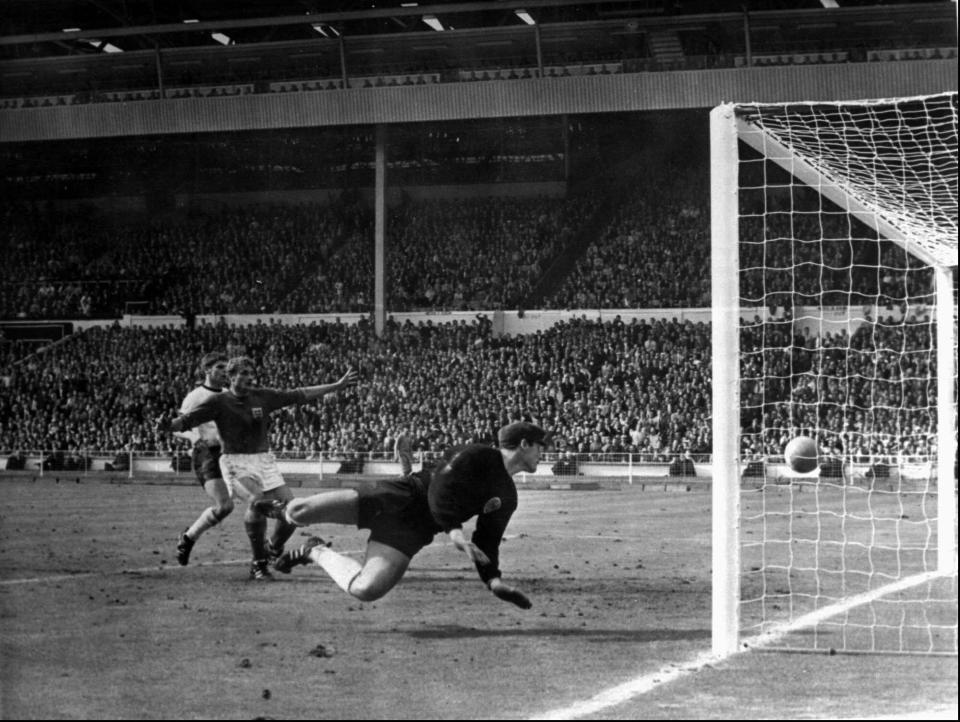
[(455, 631)]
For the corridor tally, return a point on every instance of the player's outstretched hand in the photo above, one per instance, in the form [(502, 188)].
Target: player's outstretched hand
[(162, 425), (510, 594), (348, 379)]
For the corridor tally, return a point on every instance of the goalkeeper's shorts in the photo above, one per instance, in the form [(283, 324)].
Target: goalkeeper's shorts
[(397, 514)]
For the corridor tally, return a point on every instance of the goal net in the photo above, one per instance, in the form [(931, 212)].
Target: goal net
[(834, 231)]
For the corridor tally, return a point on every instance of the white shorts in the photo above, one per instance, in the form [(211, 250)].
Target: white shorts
[(260, 468)]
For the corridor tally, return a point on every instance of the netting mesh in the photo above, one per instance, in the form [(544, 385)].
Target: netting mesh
[(838, 342), (898, 158)]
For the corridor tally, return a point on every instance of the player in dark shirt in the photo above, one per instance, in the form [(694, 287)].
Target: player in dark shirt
[(403, 515), (242, 415)]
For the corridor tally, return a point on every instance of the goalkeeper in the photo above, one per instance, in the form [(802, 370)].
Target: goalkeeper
[(403, 515)]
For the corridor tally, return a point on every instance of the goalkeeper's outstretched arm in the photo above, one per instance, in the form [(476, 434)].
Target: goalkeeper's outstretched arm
[(496, 585)]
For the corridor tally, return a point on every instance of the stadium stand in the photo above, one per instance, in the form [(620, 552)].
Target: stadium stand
[(606, 388), (574, 378)]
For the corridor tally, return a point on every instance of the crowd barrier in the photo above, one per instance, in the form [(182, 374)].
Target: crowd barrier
[(624, 468)]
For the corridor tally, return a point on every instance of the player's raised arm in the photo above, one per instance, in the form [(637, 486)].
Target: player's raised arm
[(315, 392), (204, 412)]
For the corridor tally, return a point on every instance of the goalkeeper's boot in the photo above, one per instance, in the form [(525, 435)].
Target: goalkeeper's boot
[(300, 555), (184, 545), (260, 570), (270, 508)]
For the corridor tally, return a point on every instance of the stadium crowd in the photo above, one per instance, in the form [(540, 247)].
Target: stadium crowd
[(796, 253), (479, 254), (655, 253), (606, 389), (865, 395), (320, 259), (76, 264), (482, 254)]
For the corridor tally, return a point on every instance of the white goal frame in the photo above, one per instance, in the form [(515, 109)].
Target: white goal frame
[(729, 126)]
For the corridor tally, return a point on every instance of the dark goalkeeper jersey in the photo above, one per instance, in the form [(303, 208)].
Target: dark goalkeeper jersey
[(243, 421), (471, 481)]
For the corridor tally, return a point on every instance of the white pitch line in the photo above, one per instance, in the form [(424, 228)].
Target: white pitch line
[(628, 690), (634, 687), (648, 682)]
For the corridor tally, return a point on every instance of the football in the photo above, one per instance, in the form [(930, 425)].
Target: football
[(801, 454)]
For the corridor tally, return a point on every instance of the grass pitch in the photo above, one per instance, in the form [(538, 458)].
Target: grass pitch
[(98, 621)]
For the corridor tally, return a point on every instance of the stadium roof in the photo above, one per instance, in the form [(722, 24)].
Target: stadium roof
[(54, 28)]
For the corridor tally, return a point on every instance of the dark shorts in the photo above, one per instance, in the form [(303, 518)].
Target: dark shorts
[(396, 513), (206, 462)]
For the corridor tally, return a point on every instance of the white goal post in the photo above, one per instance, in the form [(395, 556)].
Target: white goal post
[(834, 296)]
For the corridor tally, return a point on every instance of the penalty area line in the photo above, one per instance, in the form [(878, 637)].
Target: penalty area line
[(648, 682)]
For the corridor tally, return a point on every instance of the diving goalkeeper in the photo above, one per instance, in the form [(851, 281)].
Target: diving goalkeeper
[(403, 515)]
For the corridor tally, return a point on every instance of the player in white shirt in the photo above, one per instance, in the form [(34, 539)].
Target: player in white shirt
[(206, 454)]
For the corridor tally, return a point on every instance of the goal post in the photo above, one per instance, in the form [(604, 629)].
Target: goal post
[(834, 296), (725, 304)]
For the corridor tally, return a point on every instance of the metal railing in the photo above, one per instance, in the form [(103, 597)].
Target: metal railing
[(628, 468), (86, 462)]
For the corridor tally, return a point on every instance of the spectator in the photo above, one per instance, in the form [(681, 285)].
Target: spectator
[(121, 462), (16, 461)]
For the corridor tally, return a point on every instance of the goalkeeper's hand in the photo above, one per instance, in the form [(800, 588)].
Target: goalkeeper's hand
[(509, 594), (469, 548)]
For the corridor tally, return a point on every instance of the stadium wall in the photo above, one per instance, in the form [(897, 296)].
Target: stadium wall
[(488, 99), (394, 194), (521, 322), (632, 472), (134, 205)]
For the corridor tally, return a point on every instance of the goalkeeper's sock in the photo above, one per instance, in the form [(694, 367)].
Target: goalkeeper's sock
[(342, 569)]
